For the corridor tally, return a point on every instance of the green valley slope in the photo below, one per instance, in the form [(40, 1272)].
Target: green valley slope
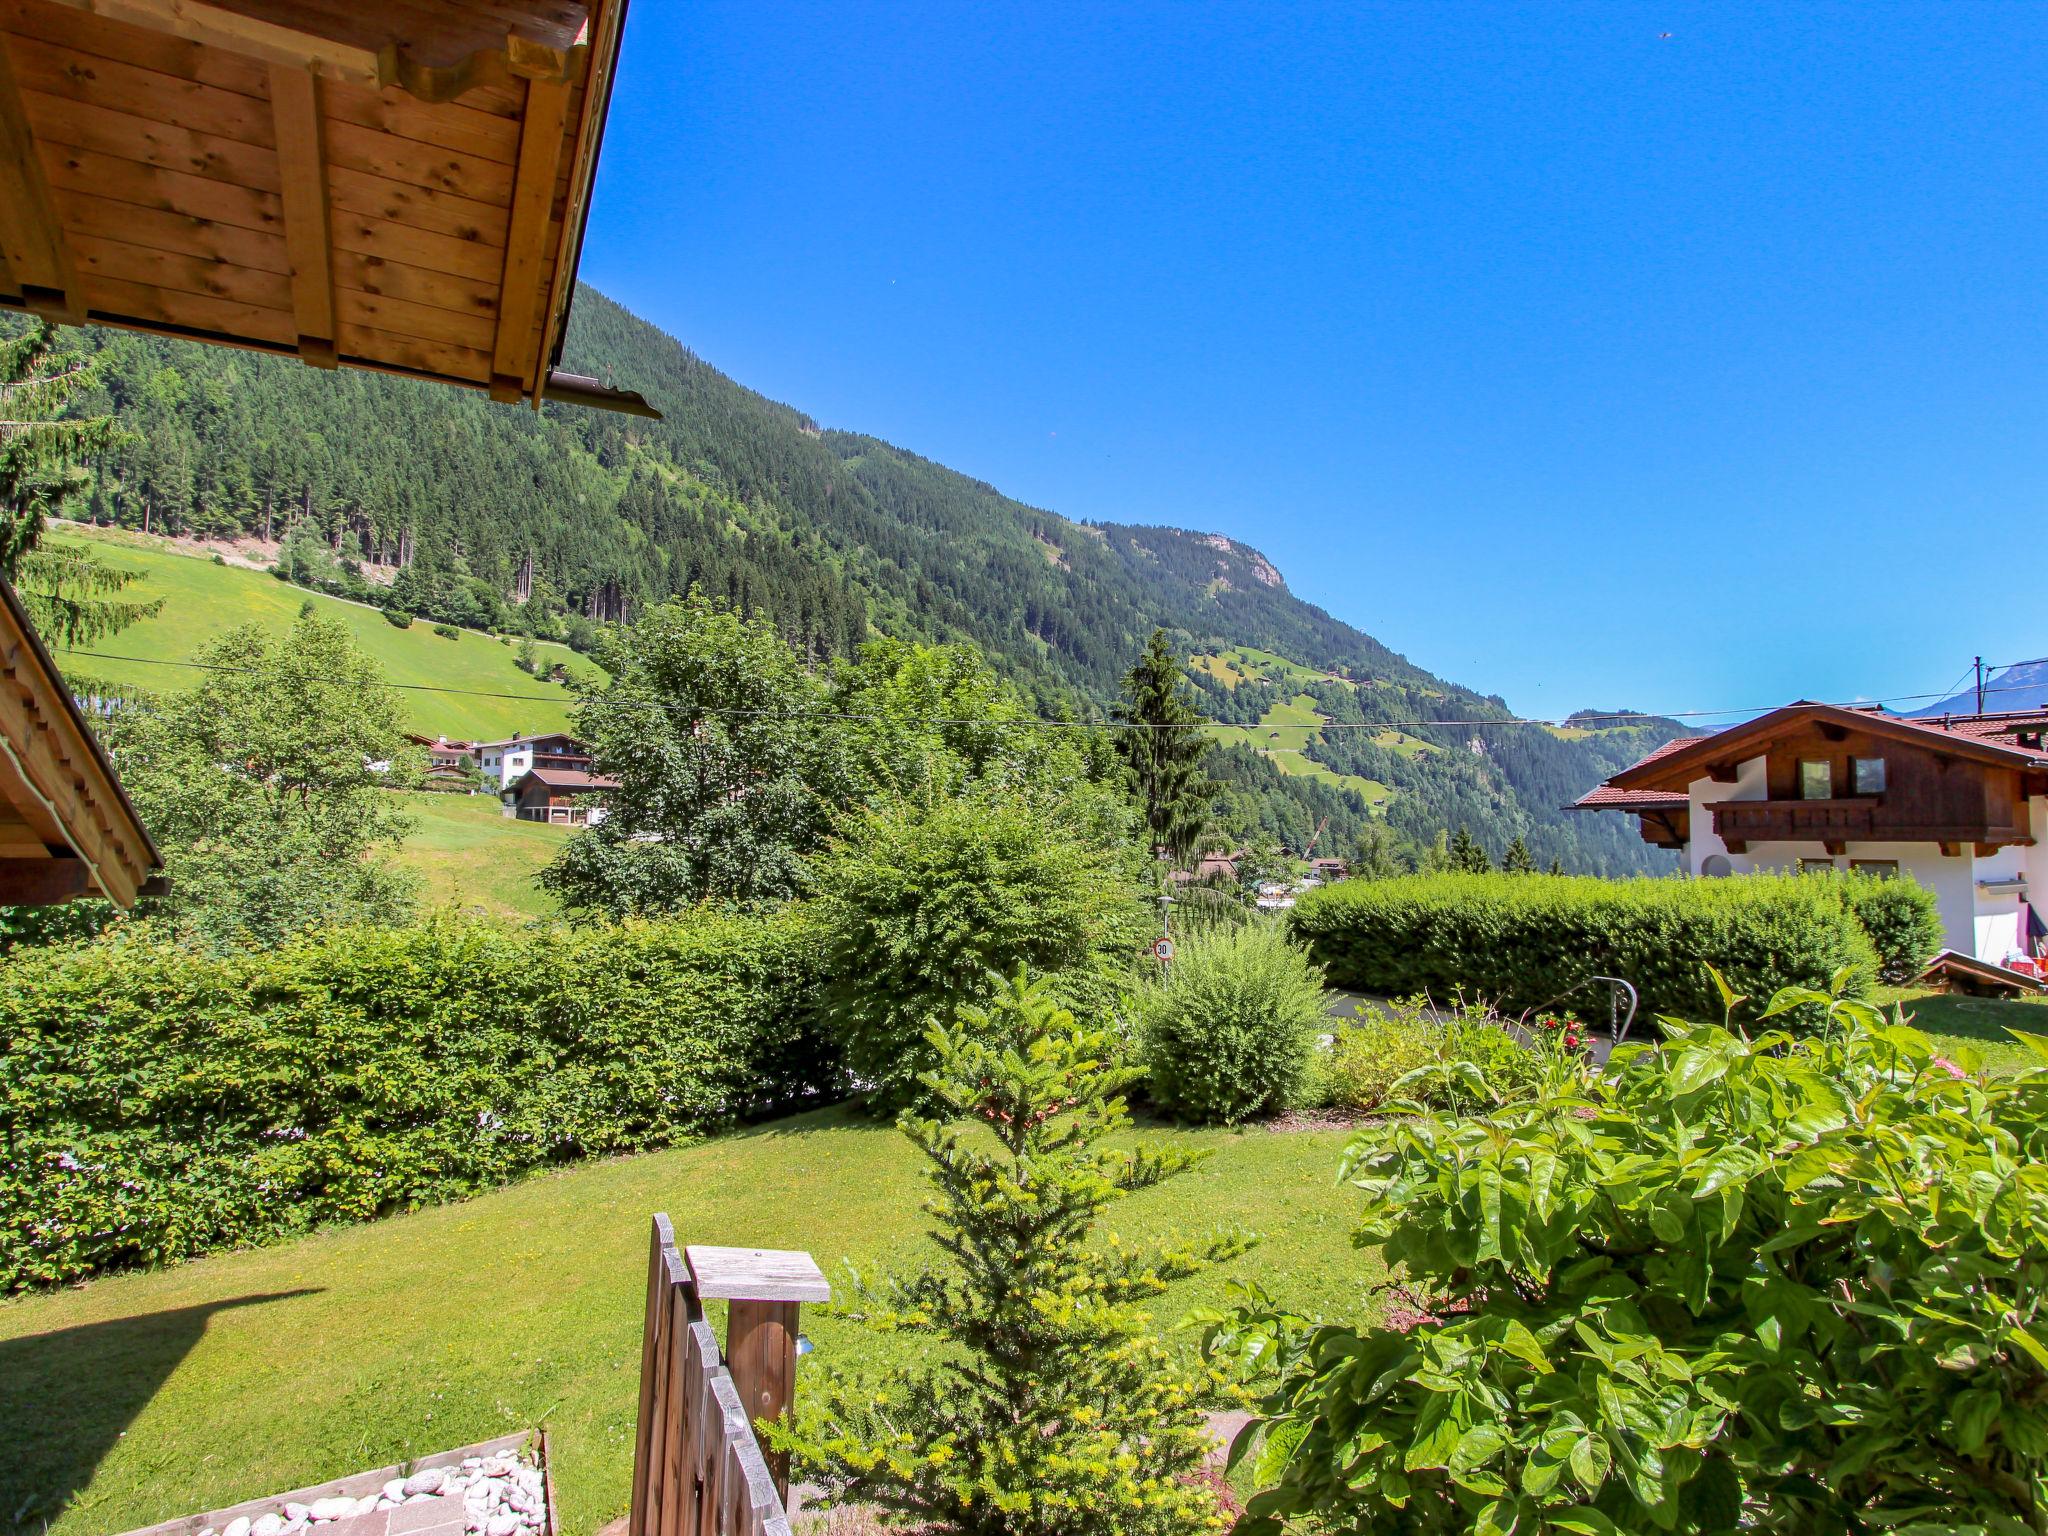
[(467, 687), (834, 535)]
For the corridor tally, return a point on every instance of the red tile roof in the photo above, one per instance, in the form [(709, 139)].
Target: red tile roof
[(1607, 798)]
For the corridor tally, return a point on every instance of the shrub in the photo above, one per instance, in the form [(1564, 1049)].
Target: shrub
[(1761, 1284), (1529, 944), (219, 560), (919, 906), (447, 631), (1042, 1399), (1902, 919), (156, 1104), (1231, 1033), (398, 618), (1404, 1052)]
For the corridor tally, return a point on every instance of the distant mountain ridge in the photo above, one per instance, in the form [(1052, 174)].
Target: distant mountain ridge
[(496, 516)]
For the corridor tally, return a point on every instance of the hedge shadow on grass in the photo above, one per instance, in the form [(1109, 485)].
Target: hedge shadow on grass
[(67, 1397)]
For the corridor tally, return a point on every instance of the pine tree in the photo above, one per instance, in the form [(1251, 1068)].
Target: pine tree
[(1467, 856), (1516, 861), (1163, 748), (1556, 867), (1043, 1403), (68, 591)]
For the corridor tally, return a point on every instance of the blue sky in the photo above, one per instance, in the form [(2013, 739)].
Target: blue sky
[(1584, 364)]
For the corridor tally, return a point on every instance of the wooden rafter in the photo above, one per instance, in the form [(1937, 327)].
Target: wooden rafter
[(42, 882), (31, 240), (301, 164), (516, 355), (607, 21)]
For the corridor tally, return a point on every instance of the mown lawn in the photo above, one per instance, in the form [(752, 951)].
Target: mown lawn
[(141, 1397), (203, 600), (1973, 1027), (471, 855)]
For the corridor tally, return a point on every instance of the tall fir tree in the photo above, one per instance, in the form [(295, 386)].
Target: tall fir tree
[(1466, 855), (1517, 860), (1163, 748), (68, 591)]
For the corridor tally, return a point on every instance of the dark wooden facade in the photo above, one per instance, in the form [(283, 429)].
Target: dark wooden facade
[(1943, 786)]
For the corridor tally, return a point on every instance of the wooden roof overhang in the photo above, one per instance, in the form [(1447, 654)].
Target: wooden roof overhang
[(399, 185), (1715, 756), (66, 827)]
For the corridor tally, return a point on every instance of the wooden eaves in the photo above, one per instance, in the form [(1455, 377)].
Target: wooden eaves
[(397, 185), (66, 827)]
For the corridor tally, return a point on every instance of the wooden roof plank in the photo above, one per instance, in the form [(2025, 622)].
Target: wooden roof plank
[(422, 165), (402, 317), (58, 71), (99, 37), (578, 174), (274, 41), (85, 213), (423, 208), (33, 243), (133, 184), (87, 125), (517, 352), (453, 125), (302, 167), (188, 274), (420, 354), (118, 299), (420, 285)]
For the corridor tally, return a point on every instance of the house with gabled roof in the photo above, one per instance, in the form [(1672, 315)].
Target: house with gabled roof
[(1959, 802)]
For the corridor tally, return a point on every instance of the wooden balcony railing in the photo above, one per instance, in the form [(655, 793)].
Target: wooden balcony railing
[(1741, 822), (698, 1469)]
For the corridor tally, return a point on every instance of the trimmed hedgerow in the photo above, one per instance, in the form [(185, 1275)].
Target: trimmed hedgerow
[(1519, 943), (1902, 919), (156, 1104)]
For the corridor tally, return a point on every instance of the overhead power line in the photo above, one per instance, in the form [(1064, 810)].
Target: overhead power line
[(1048, 723)]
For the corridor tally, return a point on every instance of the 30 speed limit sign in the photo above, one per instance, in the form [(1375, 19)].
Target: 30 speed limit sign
[(1162, 950)]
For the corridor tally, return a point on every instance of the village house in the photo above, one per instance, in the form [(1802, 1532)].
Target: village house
[(502, 762), (449, 761), (1958, 802), (565, 796)]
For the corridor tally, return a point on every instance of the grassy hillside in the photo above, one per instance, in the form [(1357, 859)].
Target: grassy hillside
[(473, 856), (203, 600)]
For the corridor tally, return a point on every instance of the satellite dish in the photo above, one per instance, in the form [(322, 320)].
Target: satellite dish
[(1715, 866)]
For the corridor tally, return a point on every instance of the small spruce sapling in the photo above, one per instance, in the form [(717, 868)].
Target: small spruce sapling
[(1043, 1403)]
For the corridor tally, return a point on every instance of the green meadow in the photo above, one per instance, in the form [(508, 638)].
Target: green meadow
[(203, 600), (472, 856)]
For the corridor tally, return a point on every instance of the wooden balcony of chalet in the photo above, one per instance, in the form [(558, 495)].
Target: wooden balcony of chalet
[(1836, 823)]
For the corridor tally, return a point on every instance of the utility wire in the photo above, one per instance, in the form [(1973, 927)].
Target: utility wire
[(1039, 721)]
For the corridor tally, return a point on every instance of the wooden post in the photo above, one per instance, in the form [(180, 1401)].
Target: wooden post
[(765, 1291)]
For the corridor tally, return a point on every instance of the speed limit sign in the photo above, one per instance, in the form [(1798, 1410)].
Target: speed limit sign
[(1162, 950)]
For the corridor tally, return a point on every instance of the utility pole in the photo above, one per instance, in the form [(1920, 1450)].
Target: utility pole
[(1980, 685)]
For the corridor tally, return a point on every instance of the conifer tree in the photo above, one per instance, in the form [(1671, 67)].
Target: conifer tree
[(1556, 867), (1163, 748), (1043, 1403), (68, 591), (1467, 856), (1516, 861)]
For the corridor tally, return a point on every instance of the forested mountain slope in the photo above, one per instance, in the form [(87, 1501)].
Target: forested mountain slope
[(449, 506)]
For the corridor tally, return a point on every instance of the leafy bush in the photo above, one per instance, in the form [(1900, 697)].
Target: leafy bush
[(1231, 1032), (1527, 944), (1902, 919), (447, 631), (398, 618), (921, 905), (156, 1103), (1042, 1399), (1404, 1051), (1771, 1284)]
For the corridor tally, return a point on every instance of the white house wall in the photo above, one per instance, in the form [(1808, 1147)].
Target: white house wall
[(1749, 784)]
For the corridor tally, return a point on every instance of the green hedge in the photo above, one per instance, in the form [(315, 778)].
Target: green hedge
[(1525, 941), (156, 1104), (1903, 921)]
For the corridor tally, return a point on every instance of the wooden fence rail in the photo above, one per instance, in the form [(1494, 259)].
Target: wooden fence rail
[(698, 1469)]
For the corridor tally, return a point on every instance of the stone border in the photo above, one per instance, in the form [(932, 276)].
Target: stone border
[(357, 1484)]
